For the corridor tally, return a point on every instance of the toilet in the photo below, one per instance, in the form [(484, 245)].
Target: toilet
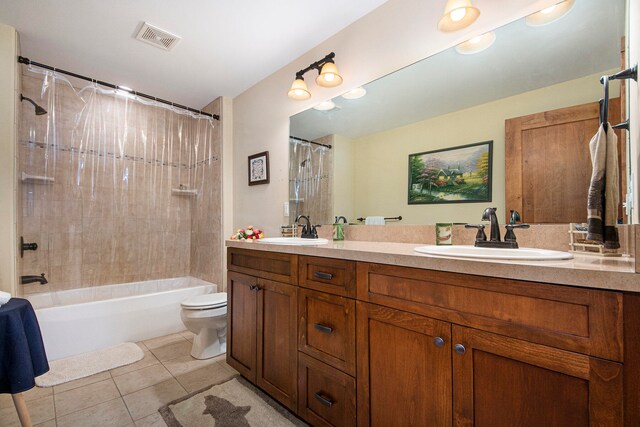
[(206, 316)]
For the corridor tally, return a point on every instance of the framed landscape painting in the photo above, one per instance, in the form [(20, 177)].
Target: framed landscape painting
[(451, 175)]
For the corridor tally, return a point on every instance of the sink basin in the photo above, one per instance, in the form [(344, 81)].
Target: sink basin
[(295, 241), (464, 251)]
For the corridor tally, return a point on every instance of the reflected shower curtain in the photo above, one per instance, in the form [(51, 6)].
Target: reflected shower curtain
[(110, 183), (311, 181)]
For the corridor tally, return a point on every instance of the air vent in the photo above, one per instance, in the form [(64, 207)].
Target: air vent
[(157, 37)]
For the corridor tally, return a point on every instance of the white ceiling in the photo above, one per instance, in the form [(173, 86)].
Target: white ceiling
[(226, 47)]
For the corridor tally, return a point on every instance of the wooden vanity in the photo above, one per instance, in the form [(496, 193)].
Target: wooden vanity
[(350, 342)]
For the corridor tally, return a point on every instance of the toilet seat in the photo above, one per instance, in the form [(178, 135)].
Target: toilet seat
[(205, 302)]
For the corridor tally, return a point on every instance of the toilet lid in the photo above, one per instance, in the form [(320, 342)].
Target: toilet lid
[(206, 301)]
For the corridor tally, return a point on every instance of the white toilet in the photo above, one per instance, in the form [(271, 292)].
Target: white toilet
[(206, 316)]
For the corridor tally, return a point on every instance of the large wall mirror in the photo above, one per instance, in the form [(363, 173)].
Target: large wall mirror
[(536, 85)]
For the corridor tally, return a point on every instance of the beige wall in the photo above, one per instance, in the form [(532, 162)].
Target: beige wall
[(9, 85), (344, 179), (382, 159), (383, 41), (634, 106)]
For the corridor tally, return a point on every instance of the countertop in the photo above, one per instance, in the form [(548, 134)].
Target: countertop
[(613, 273)]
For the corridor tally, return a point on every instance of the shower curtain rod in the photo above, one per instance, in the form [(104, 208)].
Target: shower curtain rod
[(23, 60), (310, 142)]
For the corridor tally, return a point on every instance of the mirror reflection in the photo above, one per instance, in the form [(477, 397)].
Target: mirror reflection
[(533, 92)]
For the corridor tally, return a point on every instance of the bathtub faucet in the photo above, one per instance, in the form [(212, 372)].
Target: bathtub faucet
[(31, 279)]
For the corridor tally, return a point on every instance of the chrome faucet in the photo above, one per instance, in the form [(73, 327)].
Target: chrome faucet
[(31, 279), (308, 231)]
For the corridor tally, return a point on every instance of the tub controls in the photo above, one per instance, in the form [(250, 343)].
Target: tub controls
[(26, 247)]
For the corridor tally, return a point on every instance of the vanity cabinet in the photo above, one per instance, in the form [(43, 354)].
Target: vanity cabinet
[(262, 335), (345, 343)]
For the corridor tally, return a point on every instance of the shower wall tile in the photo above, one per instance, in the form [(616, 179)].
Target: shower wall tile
[(110, 216)]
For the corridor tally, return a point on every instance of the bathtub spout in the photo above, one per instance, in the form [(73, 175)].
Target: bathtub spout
[(31, 279)]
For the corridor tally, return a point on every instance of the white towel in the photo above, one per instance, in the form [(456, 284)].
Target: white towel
[(374, 220), (4, 298)]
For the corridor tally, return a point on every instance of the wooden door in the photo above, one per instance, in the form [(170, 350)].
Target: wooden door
[(241, 311), (277, 341), (501, 381), (404, 370), (548, 165)]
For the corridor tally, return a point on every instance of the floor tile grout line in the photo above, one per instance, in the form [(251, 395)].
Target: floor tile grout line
[(89, 407)]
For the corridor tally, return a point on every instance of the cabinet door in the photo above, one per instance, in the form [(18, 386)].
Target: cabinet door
[(501, 381), (404, 368), (277, 347), (241, 311)]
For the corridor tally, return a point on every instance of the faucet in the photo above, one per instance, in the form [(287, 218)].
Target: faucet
[(338, 218), (31, 279), (308, 231), (489, 214)]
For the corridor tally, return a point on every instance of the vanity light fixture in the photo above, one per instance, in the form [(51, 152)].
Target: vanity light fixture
[(325, 106), (328, 76), (458, 14), (356, 93), (476, 44), (549, 14)]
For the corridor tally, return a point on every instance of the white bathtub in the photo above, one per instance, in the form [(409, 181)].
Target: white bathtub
[(87, 319)]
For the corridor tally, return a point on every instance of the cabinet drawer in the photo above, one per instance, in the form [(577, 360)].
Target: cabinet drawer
[(586, 321), (330, 275), (327, 397), (327, 329), (268, 265)]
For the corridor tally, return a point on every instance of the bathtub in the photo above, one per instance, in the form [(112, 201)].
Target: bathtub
[(87, 319)]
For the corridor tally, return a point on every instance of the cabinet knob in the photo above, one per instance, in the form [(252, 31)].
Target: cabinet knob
[(459, 348), (254, 288), (438, 342)]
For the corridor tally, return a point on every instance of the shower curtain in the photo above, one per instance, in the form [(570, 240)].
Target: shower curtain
[(311, 181), (112, 186)]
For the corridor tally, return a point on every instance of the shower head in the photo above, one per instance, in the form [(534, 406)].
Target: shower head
[(39, 110)]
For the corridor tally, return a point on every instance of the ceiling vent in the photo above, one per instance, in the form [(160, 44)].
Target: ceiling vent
[(157, 37)]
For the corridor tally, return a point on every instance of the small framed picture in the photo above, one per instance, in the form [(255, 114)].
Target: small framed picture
[(259, 168), (444, 233)]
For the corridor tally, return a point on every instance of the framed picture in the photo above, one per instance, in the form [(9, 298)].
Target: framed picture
[(451, 175), (259, 168)]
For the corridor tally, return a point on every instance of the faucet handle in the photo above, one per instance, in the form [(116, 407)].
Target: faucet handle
[(480, 235), (514, 217), (510, 236)]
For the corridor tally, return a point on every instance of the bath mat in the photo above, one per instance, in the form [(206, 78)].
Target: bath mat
[(233, 403), (87, 364)]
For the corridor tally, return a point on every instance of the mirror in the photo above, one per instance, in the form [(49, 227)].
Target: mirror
[(451, 100)]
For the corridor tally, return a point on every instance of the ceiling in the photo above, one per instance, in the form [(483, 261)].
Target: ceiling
[(522, 58), (226, 47)]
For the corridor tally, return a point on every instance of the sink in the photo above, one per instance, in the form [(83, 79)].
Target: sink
[(295, 241), (464, 251)]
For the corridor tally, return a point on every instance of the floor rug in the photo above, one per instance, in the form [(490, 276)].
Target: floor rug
[(87, 364), (233, 403)]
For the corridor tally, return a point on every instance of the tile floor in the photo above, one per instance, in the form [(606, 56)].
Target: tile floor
[(125, 396)]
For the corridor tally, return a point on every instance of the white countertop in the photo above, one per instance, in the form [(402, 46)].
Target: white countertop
[(615, 273)]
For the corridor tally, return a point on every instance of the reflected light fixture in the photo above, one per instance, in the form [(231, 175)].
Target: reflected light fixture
[(549, 14), (356, 93), (325, 106), (458, 14), (328, 76), (476, 44)]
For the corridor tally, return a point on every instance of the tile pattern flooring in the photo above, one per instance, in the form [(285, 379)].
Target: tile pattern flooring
[(125, 396)]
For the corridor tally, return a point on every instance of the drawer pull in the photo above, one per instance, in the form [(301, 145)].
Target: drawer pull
[(322, 275), (324, 400), (323, 328)]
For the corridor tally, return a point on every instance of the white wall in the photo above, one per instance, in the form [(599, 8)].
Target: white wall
[(8, 126), (634, 108), (396, 34)]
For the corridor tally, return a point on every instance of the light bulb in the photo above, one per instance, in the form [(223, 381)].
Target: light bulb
[(548, 9), (329, 77), (476, 39), (299, 92), (458, 14)]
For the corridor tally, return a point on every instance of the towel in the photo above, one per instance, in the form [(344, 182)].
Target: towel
[(374, 220), (4, 298), (604, 193)]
